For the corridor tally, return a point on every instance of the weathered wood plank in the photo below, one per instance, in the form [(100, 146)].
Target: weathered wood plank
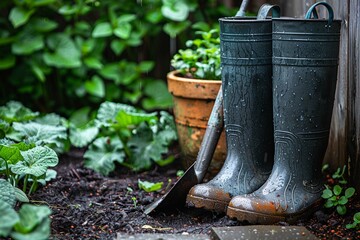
[(336, 155), (354, 87)]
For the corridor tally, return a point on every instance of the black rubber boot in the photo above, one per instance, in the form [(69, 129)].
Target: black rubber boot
[(304, 81), (246, 81)]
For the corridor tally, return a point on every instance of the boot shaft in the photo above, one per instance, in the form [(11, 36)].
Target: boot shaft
[(246, 79), (305, 60)]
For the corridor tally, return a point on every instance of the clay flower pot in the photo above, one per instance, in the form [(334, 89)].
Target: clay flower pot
[(193, 102)]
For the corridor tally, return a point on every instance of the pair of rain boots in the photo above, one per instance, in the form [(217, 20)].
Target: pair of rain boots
[(279, 80)]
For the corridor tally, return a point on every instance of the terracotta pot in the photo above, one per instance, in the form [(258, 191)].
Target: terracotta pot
[(193, 102)]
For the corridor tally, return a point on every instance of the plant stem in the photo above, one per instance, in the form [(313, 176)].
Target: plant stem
[(25, 182), (33, 186)]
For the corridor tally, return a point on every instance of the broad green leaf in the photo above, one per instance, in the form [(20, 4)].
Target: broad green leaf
[(351, 225), (7, 193), (117, 46), (175, 10), (154, 16), (159, 96), (108, 112), (41, 232), (7, 62), (123, 31), (357, 217), (52, 119), (329, 204), (343, 200), (39, 3), (80, 117), (175, 28), (68, 9), (341, 209), (349, 192), (36, 161), (31, 216), (4, 127), (125, 119), (22, 146), (81, 137), (8, 218), (38, 71), (126, 18), (111, 71), (19, 16), (327, 193), (145, 149), (41, 134), (93, 62), (123, 72), (134, 40), (10, 154), (95, 87), (65, 53), (16, 112), (43, 24), (102, 30), (146, 66), (27, 44), (20, 195), (74, 9), (50, 174), (103, 153), (149, 186), (337, 190), (202, 26)]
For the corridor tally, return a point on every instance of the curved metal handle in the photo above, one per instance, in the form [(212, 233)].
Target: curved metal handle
[(312, 11), (264, 11)]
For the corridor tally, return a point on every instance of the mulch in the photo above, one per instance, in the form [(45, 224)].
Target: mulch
[(87, 205)]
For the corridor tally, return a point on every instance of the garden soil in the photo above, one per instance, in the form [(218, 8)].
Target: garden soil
[(86, 205)]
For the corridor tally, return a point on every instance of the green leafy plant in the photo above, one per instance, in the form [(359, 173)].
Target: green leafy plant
[(336, 193), (339, 174), (130, 137), (180, 173), (337, 198), (65, 55), (25, 153), (31, 222), (202, 57), (356, 223), (135, 201), (26, 163), (150, 186)]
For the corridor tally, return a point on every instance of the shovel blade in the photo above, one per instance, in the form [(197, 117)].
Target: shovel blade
[(176, 196)]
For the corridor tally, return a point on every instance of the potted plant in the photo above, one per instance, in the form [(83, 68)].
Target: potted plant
[(194, 85)]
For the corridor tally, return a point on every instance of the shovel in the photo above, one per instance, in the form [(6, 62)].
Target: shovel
[(176, 196)]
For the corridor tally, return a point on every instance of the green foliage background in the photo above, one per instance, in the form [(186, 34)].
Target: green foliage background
[(61, 55)]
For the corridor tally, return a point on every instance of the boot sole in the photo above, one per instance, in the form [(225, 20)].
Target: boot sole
[(206, 203), (261, 218)]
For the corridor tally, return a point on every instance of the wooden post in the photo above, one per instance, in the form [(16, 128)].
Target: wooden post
[(336, 155), (354, 92)]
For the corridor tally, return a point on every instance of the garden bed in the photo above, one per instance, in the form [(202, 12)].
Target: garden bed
[(87, 205)]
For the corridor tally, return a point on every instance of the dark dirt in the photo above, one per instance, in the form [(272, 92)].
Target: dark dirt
[(87, 205)]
